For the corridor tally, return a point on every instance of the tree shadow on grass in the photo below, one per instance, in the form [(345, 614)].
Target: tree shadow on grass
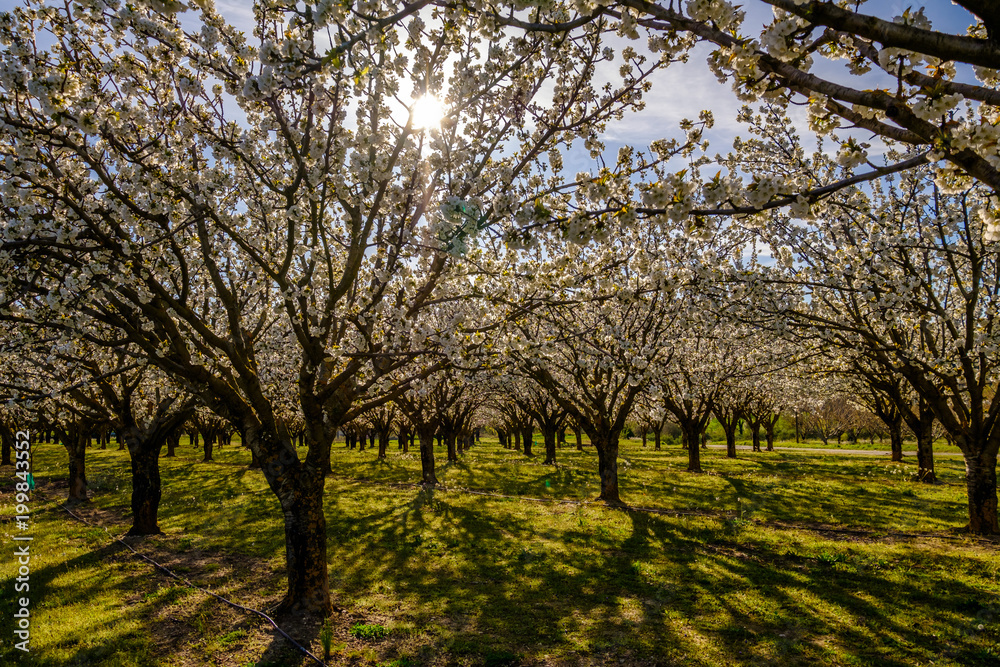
[(492, 575)]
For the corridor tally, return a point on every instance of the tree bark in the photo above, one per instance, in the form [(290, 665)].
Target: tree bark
[(607, 466), (657, 436), (208, 448), (517, 438), (921, 423), (426, 436), (755, 435), (730, 441), (550, 436), (577, 431), (305, 544), (769, 425), (172, 441), (7, 440), (146, 487), (691, 435), (981, 480), (383, 443), (451, 439), (896, 440), (527, 436), (76, 446)]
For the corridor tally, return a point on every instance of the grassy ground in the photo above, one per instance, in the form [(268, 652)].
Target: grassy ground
[(775, 559)]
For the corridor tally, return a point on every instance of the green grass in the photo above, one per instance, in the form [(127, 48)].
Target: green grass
[(728, 571)]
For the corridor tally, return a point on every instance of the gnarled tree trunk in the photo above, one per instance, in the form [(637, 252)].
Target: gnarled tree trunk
[(550, 436), (146, 487), (692, 434), (76, 446), (607, 466), (527, 435), (981, 481), (426, 436)]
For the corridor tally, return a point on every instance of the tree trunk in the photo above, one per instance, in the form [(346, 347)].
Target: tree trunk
[(730, 440), (691, 436), (383, 443), (921, 423), (305, 543), (502, 437), (209, 447), (562, 437), (755, 436), (657, 436), (550, 436), (172, 442), (607, 466), (981, 480), (426, 436), (362, 437), (769, 434), (193, 439), (146, 487), (451, 439), (578, 432), (527, 436), (76, 446), (896, 440), (7, 440), (404, 441), (644, 431), (517, 438)]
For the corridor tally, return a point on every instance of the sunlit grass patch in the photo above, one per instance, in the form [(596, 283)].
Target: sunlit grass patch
[(773, 558)]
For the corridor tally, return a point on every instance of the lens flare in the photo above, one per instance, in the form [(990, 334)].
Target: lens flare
[(427, 113)]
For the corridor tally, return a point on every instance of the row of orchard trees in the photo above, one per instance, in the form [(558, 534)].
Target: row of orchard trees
[(194, 219)]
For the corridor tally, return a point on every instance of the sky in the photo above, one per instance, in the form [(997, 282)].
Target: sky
[(682, 90)]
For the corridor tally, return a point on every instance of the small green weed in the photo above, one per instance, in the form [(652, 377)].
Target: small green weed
[(326, 638), (369, 632), (232, 637), (831, 558)]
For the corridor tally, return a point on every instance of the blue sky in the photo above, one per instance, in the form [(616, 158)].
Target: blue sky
[(683, 89)]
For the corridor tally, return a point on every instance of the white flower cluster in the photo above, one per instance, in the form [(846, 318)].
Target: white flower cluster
[(659, 194), (991, 225), (722, 13), (821, 120), (718, 190), (932, 108), (852, 154), (777, 41), (990, 77), (801, 209), (763, 189)]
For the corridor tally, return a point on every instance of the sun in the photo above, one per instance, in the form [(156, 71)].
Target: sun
[(427, 113)]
